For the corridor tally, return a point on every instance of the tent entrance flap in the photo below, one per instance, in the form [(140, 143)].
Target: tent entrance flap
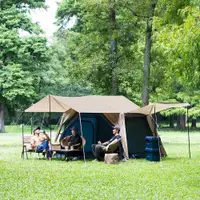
[(95, 127)]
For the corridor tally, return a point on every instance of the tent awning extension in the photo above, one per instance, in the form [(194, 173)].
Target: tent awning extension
[(84, 104), (158, 107)]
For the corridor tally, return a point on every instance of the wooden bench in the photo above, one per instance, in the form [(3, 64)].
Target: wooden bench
[(26, 147)]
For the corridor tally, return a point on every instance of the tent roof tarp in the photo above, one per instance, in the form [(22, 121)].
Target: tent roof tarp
[(158, 107), (84, 104)]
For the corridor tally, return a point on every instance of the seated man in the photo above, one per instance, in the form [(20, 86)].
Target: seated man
[(40, 143), (74, 140), (110, 146)]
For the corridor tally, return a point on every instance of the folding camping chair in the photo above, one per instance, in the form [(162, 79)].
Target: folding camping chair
[(26, 147)]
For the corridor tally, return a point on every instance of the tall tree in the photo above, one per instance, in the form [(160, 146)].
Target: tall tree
[(166, 10), (176, 47), (89, 45), (22, 59), (113, 44), (145, 10), (104, 45), (147, 54)]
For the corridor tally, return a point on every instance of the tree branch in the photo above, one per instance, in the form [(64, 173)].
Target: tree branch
[(135, 14)]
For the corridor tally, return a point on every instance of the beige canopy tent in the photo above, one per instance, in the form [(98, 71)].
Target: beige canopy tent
[(113, 107)]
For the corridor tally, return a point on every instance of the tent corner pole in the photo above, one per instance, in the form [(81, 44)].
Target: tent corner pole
[(154, 110), (81, 129), (31, 123), (50, 115), (22, 125)]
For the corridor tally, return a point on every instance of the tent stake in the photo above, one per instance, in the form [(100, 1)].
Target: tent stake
[(188, 130), (22, 125)]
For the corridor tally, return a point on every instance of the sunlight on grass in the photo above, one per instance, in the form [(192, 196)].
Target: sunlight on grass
[(175, 177)]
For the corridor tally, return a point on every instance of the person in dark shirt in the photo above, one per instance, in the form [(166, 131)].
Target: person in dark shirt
[(75, 141), (100, 149)]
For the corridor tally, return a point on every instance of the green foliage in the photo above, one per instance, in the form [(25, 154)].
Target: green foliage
[(88, 46), (60, 79), (16, 83), (13, 18), (22, 59), (176, 60), (168, 10), (22, 4), (181, 50)]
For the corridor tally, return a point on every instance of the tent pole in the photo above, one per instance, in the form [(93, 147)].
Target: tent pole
[(155, 129), (22, 125), (31, 123), (188, 130), (50, 115), (154, 110), (81, 129)]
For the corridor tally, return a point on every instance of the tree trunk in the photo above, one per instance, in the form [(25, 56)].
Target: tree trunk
[(113, 46), (194, 123), (181, 122), (2, 128), (178, 122), (171, 121), (147, 56)]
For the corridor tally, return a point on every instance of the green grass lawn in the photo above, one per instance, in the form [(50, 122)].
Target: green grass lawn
[(175, 177)]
